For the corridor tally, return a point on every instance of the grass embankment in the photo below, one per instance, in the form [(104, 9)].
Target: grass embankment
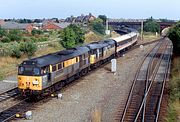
[(148, 36), (174, 86), (9, 65)]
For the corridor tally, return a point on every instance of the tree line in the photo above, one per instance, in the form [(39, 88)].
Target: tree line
[(174, 35)]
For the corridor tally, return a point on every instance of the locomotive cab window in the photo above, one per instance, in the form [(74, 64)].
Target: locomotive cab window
[(29, 70), (36, 71), (21, 70)]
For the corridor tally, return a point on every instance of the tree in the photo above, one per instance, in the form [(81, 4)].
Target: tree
[(103, 17), (97, 26), (151, 26), (25, 21), (68, 38), (72, 36), (174, 35), (79, 33)]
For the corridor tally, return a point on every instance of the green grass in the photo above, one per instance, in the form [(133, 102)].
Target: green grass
[(172, 113), (174, 86), (148, 36)]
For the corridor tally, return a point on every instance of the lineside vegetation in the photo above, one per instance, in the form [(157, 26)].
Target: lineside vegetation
[(174, 84)]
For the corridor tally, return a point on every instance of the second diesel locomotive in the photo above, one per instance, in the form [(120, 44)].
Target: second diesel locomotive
[(37, 75)]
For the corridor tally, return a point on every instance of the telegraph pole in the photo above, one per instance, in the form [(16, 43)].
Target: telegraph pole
[(142, 30)]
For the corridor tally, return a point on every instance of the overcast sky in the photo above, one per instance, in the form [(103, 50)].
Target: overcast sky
[(169, 9)]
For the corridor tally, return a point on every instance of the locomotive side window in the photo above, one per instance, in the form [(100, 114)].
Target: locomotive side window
[(77, 59), (86, 55), (59, 66), (54, 68), (44, 70)]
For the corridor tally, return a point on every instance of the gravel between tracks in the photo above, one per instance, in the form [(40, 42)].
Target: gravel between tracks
[(99, 89)]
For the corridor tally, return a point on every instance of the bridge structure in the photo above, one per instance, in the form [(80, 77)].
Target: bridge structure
[(115, 24)]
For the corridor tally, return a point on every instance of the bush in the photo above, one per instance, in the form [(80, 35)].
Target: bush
[(15, 32), (2, 32), (36, 32), (26, 39), (28, 48), (15, 51), (6, 40), (42, 39), (14, 37)]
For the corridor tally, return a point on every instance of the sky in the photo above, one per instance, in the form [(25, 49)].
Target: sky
[(135, 9)]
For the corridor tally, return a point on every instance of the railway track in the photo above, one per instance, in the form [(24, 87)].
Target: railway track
[(142, 99), (19, 107), (26, 104), (8, 94)]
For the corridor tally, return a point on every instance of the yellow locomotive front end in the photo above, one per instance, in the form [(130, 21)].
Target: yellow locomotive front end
[(30, 78), (30, 82)]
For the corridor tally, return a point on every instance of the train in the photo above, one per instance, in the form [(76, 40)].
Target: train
[(49, 72)]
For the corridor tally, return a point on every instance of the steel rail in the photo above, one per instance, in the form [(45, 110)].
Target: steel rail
[(148, 90), (134, 82), (164, 82), (8, 94)]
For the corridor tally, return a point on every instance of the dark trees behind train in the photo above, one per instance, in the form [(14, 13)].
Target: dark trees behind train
[(174, 35)]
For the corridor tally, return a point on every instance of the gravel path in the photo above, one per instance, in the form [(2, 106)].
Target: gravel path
[(99, 90)]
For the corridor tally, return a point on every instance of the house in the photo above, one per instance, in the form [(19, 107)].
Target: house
[(83, 19), (2, 22), (55, 26), (18, 26), (89, 18), (70, 19), (80, 19)]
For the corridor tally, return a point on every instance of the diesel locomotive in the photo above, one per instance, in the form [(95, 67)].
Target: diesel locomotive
[(37, 75)]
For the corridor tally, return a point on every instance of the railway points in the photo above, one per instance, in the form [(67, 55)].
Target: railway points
[(145, 98)]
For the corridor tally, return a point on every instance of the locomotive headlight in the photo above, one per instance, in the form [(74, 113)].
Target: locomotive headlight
[(35, 82)]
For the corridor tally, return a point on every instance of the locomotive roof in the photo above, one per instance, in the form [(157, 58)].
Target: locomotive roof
[(60, 56), (109, 41), (97, 45)]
